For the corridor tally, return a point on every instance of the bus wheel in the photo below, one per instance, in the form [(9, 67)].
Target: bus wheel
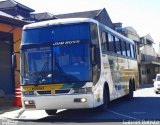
[(134, 86), (105, 104), (51, 112), (156, 92), (131, 89)]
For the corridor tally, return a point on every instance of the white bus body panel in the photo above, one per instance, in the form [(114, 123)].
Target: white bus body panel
[(60, 101)]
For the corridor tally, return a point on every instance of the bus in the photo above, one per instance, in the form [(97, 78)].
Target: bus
[(75, 63)]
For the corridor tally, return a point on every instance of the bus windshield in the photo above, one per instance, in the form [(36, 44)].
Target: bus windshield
[(57, 64), (56, 54)]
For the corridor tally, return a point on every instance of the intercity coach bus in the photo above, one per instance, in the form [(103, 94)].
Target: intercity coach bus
[(75, 63)]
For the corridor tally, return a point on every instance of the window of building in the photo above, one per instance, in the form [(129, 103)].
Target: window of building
[(149, 42), (143, 72), (148, 71)]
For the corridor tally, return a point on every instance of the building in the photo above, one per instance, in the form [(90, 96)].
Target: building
[(13, 17), (37, 17), (149, 64), (99, 15), (15, 9)]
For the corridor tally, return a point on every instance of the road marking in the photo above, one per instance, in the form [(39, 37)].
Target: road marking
[(121, 114), (139, 113)]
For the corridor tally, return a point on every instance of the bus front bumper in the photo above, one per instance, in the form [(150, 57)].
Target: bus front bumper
[(75, 101)]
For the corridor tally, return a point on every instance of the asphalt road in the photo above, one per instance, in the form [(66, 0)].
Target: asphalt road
[(142, 109)]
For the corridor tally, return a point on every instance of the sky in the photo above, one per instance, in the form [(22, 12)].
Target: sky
[(142, 15)]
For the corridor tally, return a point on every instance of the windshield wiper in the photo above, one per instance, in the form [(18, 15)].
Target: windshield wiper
[(42, 74), (67, 77)]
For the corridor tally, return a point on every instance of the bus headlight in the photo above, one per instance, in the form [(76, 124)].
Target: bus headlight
[(29, 104), (83, 100), (80, 100), (26, 102)]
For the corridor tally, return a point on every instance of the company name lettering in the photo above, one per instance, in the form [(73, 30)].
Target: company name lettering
[(66, 43)]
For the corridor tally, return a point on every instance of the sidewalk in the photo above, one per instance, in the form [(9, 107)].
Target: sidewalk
[(6, 104), (145, 86), (8, 109)]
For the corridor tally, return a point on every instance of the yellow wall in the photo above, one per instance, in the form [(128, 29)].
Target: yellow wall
[(17, 33)]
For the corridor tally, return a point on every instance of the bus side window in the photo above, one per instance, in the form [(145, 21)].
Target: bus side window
[(94, 34), (118, 45), (128, 49), (95, 55), (132, 51), (95, 50), (111, 43), (123, 47), (104, 42), (96, 65), (134, 48)]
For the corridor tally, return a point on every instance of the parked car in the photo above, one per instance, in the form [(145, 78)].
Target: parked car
[(157, 84)]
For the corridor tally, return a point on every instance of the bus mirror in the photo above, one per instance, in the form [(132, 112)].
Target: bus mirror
[(14, 61)]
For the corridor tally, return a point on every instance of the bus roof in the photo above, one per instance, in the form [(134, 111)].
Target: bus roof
[(58, 22), (74, 20)]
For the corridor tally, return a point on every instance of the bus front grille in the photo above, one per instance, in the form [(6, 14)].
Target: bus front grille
[(43, 92), (64, 91)]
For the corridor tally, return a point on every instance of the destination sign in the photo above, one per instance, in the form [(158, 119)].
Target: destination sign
[(38, 49)]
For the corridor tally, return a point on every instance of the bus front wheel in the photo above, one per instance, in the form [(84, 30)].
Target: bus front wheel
[(51, 112), (105, 104)]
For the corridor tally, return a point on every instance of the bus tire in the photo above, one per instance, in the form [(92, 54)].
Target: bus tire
[(131, 89), (51, 112), (156, 92), (106, 99), (134, 86)]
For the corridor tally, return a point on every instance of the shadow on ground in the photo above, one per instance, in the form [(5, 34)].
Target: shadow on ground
[(140, 108)]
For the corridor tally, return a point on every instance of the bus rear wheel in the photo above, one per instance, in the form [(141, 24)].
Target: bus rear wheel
[(51, 112), (131, 89)]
